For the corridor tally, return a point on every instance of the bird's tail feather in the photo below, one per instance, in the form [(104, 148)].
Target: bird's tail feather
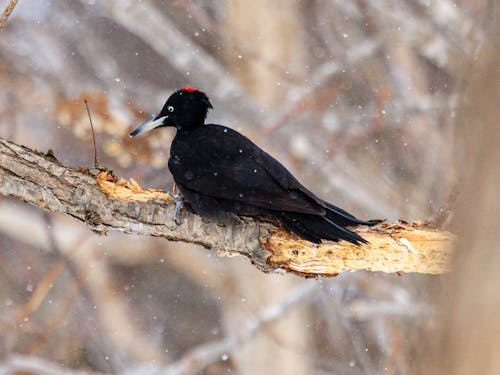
[(344, 218), (315, 228)]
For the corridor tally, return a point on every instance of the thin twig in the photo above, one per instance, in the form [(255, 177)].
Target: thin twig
[(93, 133), (7, 12)]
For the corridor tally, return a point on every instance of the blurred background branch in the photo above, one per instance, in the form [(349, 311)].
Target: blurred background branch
[(6, 13)]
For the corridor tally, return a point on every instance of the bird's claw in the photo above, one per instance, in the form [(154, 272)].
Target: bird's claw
[(178, 200)]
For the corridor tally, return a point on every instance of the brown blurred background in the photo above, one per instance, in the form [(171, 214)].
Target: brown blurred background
[(365, 101)]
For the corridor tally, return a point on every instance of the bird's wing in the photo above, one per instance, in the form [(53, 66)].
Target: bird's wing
[(225, 164), (282, 175)]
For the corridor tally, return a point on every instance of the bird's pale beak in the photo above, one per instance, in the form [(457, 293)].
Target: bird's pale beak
[(154, 123)]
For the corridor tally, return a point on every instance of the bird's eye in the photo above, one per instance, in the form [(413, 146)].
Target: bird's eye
[(170, 108)]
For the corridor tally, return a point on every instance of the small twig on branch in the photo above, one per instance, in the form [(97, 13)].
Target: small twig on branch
[(98, 199), (93, 133), (6, 13)]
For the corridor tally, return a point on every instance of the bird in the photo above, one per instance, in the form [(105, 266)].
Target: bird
[(222, 175)]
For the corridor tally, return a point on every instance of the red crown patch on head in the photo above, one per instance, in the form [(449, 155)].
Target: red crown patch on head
[(188, 89)]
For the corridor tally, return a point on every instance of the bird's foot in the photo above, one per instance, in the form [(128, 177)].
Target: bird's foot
[(179, 203)]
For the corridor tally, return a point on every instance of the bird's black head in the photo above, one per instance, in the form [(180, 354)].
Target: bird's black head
[(186, 108)]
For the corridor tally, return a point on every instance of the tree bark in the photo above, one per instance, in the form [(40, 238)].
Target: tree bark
[(98, 199)]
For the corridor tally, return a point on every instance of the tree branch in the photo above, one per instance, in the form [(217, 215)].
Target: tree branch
[(98, 199)]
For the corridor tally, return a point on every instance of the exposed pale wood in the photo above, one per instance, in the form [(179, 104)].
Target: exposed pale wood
[(96, 198), (393, 247)]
